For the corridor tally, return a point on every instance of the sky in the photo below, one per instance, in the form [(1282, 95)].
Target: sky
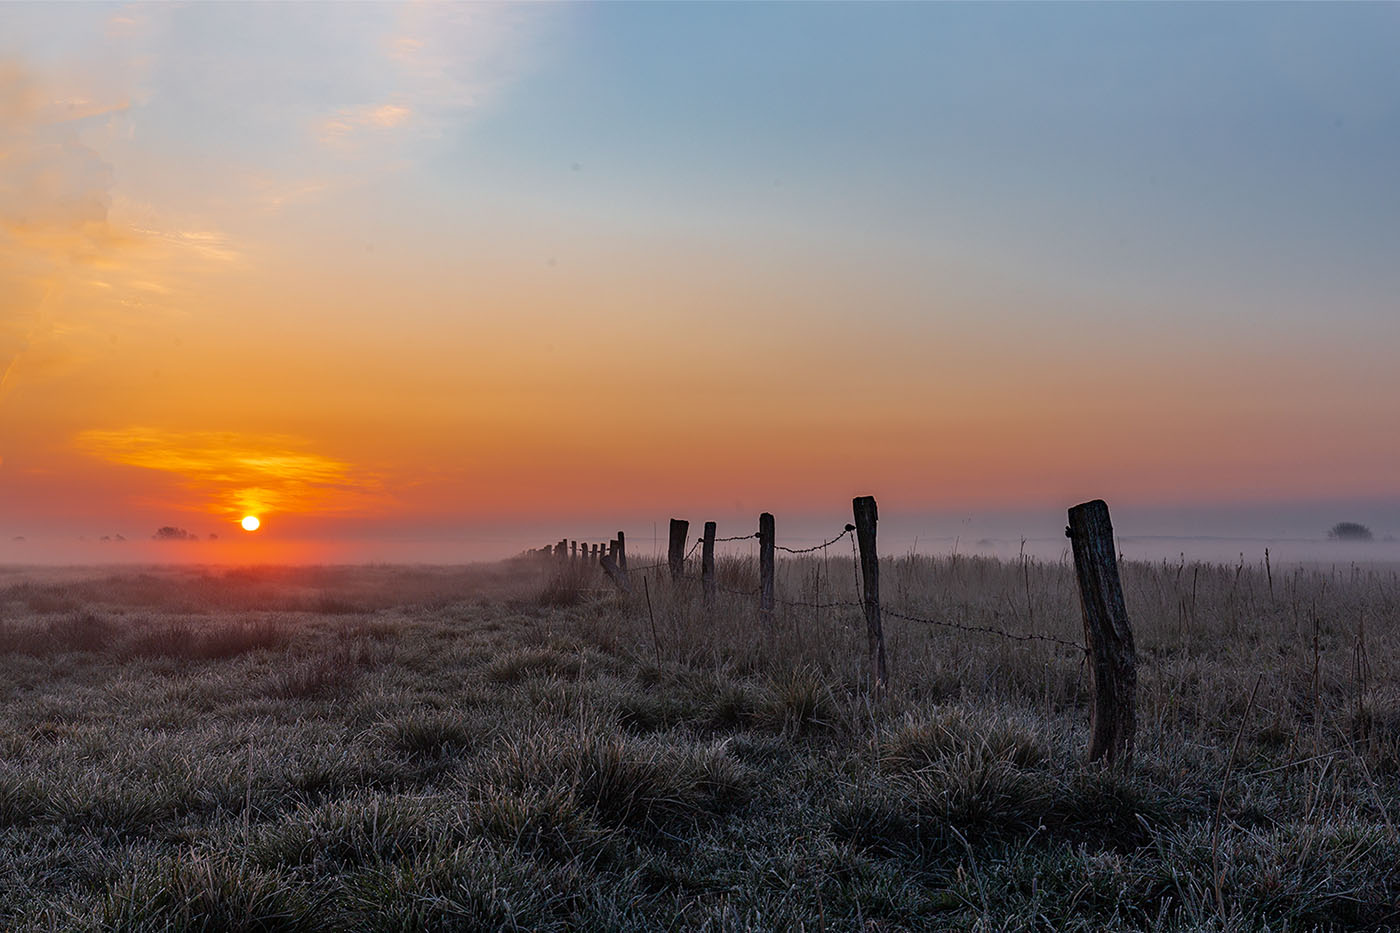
[(457, 276)]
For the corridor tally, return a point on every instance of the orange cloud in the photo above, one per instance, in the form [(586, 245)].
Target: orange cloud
[(240, 474)]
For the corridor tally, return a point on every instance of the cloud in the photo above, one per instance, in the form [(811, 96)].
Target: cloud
[(54, 200), (71, 249), (54, 191), (444, 62), (238, 473), (341, 128)]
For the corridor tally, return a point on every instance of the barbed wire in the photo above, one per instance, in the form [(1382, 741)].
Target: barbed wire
[(859, 602), (982, 629), (645, 567), (817, 547), (896, 614)]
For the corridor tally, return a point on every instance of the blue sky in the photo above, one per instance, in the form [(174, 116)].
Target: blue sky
[(1017, 253)]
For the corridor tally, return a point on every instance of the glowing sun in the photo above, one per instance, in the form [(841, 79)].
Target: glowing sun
[(251, 523)]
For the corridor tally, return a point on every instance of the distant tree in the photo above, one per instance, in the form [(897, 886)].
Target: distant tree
[(170, 533), (1350, 531), (213, 537)]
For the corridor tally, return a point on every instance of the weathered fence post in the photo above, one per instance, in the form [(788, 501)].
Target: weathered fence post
[(866, 517), (594, 553), (766, 539), (1108, 636), (573, 550), (617, 574), (676, 555), (621, 551), (707, 561)]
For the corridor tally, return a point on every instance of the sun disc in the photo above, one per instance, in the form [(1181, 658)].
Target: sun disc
[(251, 523)]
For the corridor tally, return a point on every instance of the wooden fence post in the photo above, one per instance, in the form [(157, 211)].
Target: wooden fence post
[(594, 553), (1107, 634), (676, 555), (617, 574), (621, 551), (573, 550), (561, 550), (866, 516), (766, 539), (707, 561)]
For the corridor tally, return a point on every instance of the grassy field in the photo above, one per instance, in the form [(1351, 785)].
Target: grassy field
[(512, 747)]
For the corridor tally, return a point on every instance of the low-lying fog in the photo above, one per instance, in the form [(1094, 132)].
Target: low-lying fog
[(1218, 534)]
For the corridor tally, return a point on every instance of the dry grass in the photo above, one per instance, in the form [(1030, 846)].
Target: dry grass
[(516, 746)]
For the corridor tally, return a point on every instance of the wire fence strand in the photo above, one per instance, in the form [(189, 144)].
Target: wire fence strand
[(982, 629), (817, 547), (859, 602)]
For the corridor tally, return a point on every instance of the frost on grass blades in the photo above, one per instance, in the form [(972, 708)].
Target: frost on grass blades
[(353, 748)]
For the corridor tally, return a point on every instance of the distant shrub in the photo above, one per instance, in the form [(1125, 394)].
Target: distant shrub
[(171, 533), (1350, 531)]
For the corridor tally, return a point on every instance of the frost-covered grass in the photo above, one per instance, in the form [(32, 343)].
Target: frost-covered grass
[(511, 747)]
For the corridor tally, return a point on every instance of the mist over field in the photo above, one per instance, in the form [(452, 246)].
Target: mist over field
[(1214, 535)]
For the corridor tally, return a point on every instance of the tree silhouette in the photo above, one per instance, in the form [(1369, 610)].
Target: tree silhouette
[(1350, 531)]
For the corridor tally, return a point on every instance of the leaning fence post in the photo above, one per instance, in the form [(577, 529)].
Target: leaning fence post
[(676, 555), (866, 517), (621, 551), (766, 541), (1108, 636), (615, 573), (707, 561)]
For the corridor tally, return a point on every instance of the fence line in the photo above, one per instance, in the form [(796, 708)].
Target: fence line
[(858, 603), (1108, 641)]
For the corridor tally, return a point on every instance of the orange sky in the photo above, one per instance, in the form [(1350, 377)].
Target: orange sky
[(436, 293)]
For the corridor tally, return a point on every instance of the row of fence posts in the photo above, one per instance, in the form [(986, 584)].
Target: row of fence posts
[(586, 553), (1107, 633)]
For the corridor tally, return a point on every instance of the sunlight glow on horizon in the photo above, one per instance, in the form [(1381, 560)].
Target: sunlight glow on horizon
[(508, 262)]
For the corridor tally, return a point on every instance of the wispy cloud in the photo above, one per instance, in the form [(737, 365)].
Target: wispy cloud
[(239, 473), (443, 63), (345, 124), (54, 203)]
